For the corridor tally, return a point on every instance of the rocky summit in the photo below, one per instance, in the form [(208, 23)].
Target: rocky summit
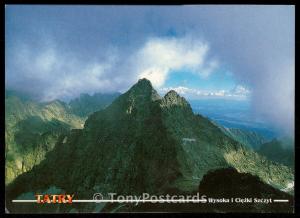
[(140, 143), (172, 99)]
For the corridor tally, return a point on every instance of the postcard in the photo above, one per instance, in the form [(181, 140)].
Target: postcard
[(126, 109)]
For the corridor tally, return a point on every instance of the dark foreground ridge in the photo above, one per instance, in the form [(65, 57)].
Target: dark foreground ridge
[(222, 184)]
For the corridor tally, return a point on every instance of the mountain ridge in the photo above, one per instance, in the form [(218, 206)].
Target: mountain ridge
[(32, 127), (123, 147)]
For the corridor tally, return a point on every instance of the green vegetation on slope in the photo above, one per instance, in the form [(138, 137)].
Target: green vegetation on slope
[(31, 130)]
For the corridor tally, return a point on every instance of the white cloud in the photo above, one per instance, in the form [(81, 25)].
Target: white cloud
[(60, 74), (160, 56), (46, 60), (239, 92), (50, 73)]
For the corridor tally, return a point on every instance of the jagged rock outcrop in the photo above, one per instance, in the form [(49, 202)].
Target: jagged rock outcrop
[(173, 99)]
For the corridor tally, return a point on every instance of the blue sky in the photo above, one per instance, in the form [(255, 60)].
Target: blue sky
[(220, 79), (235, 52)]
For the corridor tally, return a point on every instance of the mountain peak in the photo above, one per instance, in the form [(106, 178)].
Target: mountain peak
[(144, 88), (172, 93), (172, 98), (143, 85), (144, 82)]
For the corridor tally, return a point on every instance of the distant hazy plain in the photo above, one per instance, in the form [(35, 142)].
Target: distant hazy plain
[(232, 114)]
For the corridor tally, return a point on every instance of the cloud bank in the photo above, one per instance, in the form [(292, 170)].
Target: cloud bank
[(237, 93), (65, 75), (50, 74)]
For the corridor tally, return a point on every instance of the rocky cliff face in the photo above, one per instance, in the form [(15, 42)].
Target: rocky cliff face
[(143, 143)]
